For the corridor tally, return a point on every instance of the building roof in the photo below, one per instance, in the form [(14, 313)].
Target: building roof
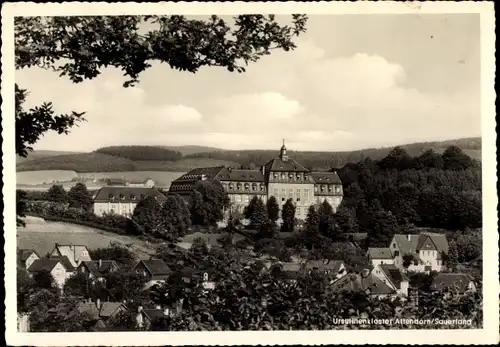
[(332, 266), (126, 194), (394, 274), (414, 242), (200, 173), (154, 313), (356, 283), (326, 177), (65, 262), (24, 254), (109, 308), (62, 309), (99, 270), (88, 308), (458, 281), (229, 174), (116, 181), (71, 250), (379, 253), (47, 264), (289, 165), (156, 267)]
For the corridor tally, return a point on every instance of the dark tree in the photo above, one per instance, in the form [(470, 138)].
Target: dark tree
[(326, 219), (311, 228), (122, 286), (147, 217), (398, 159), (177, 217), (80, 197), (259, 214), (273, 209), (208, 203), (43, 280), (20, 207), (57, 193), (455, 159), (288, 216), (25, 287), (78, 285), (248, 210), (120, 254), (429, 160)]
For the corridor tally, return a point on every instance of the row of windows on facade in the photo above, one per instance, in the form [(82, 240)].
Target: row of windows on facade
[(291, 175), (122, 197)]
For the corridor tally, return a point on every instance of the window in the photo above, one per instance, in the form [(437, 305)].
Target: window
[(291, 176), (306, 178), (262, 187), (283, 192), (330, 189), (231, 186), (132, 197), (122, 197), (238, 186), (254, 187), (315, 189), (396, 253), (322, 188), (298, 199), (247, 186), (275, 175), (283, 176), (298, 176), (282, 199), (306, 192)]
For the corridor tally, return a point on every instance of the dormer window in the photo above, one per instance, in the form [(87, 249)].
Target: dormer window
[(306, 178), (111, 197), (291, 176), (322, 188), (122, 197), (283, 176), (315, 189), (231, 186), (132, 197), (254, 187), (275, 175), (298, 176), (247, 186), (142, 196), (330, 189), (238, 185), (262, 187)]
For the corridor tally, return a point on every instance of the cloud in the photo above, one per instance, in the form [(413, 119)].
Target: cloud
[(314, 100)]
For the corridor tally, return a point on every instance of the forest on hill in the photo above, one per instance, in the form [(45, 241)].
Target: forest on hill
[(163, 158)]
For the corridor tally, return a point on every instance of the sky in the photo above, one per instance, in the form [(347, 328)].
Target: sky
[(354, 81)]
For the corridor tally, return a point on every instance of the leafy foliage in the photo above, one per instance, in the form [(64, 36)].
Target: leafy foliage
[(177, 217), (147, 216), (43, 280), (288, 216), (273, 209), (259, 214), (121, 255), (209, 200), (80, 197), (57, 193)]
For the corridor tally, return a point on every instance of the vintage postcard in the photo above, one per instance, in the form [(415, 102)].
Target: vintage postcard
[(249, 173)]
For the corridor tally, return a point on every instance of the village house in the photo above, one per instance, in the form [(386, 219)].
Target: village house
[(334, 269), (146, 316), (379, 256), (459, 283), (26, 257), (97, 312), (205, 275), (75, 253), (121, 200), (365, 282), (153, 269), (426, 251), (148, 183), (97, 269), (391, 275), (60, 268)]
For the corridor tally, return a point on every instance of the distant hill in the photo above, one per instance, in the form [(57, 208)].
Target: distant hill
[(188, 150), (42, 154), (184, 158)]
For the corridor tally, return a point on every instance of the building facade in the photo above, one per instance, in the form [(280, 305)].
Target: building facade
[(121, 200), (282, 177)]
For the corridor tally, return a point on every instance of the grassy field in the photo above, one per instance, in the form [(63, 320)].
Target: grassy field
[(42, 235), (162, 179)]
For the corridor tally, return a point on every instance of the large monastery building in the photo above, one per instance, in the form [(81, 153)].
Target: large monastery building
[(282, 177)]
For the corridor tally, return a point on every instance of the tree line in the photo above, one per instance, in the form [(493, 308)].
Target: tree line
[(139, 153)]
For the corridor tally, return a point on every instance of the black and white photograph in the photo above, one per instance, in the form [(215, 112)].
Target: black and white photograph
[(322, 168)]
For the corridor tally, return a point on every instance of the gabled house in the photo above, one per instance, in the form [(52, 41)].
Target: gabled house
[(97, 269), (152, 269), (147, 316), (75, 253), (419, 252), (454, 282), (60, 268), (391, 275), (26, 257), (366, 283), (205, 275), (334, 269), (148, 183), (97, 313), (378, 256)]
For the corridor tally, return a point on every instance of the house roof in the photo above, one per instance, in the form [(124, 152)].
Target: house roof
[(459, 281), (116, 181), (279, 165), (156, 267), (65, 262), (45, 264), (379, 253), (228, 174), (154, 313), (88, 308), (326, 177), (197, 174), (99, 271), (412, 243), (126, 194), (333, 265), (355, 283), (394, 274), (24, 254), (109, 308)]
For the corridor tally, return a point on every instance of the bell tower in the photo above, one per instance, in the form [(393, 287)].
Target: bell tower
[(283, 155)]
